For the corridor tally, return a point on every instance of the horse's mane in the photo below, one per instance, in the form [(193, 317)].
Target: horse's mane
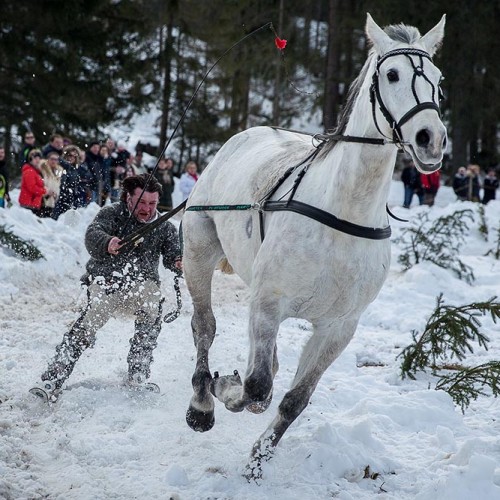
[(397, 32)]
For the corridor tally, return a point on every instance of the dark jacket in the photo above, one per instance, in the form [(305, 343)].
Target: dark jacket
[(50, 149), (142, 262), (166, 179), (69, 193), (490, 185), (411, 178), (24, 152), (99, 171), (461, 186)]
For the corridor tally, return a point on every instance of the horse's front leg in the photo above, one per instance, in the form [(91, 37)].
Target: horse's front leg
[(325, 345), (256, 390)]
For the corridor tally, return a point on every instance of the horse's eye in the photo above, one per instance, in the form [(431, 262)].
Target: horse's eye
[(392, 75)]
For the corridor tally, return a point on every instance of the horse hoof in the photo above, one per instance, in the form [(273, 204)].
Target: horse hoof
[(200, 421), (260, 406)]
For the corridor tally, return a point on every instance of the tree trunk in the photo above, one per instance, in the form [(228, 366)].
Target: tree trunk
[(332, 67), (166, 65)]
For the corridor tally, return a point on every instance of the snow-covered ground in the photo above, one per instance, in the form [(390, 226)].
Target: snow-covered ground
[(101, 441)]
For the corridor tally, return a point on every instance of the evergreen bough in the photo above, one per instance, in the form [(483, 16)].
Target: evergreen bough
[(467, 385), (449, 334), (438, 242), (483, 226), (23, 248), (496, 250)]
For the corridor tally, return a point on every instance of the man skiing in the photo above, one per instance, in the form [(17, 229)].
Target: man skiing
[(125, 281)]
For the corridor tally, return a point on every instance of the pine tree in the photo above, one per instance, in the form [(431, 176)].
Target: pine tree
[(438, 242)]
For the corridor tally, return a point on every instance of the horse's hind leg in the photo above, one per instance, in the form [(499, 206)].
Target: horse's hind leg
[(325, 345), (202, 252)]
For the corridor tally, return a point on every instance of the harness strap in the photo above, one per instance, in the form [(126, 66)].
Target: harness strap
[(328, 219)]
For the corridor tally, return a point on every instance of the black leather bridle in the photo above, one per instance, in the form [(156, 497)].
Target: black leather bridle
[(418, 72)]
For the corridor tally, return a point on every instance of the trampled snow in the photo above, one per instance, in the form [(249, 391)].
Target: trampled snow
[(365, 434)]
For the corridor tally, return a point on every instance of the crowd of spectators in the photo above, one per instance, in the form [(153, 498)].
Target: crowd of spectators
[(61, 176)]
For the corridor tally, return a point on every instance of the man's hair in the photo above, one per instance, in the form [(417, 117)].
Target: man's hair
[(144, 181), (55, 136)]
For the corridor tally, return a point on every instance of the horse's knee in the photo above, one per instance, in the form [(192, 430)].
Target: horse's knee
[(201, 381)]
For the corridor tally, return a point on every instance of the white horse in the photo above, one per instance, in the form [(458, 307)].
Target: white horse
[(303, 268)]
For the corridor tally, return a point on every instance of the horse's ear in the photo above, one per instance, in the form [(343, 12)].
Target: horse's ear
[(432, 40), (377, 36)]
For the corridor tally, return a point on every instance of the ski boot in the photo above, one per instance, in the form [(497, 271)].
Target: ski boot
[(48, 392)]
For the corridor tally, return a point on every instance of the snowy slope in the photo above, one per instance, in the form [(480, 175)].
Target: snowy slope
[(103, 442)]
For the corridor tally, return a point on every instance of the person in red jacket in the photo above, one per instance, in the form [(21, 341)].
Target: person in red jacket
[(430, 185), (32, 186)]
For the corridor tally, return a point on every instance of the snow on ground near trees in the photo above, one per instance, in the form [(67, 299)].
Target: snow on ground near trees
[(102, 442)]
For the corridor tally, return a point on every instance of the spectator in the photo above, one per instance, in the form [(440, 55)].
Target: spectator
[(490, 186), (70, 194), (29, 144), (106, 162), (121, 158), (100, 183), (4, 174), (412, 184), (55, 145), (51, 173), (461, 184), (32, 186), (166, 179), (138, 165), (430, 186), (188, 179)]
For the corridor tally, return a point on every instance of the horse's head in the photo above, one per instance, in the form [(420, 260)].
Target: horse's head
[(405, 91)]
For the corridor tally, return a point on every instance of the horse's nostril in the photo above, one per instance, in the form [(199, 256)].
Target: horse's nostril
[(423, 138), (445, 142)]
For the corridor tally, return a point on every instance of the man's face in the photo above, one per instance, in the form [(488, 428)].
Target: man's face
[(95, 149), (2, 154), (146, 208), (29, 138), (58, 143)]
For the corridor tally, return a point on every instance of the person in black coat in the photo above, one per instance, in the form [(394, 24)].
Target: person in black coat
[(70, 195), (99, 174), (461, 184), (490, 186), (165, 177), (412, 184), (29, 144)]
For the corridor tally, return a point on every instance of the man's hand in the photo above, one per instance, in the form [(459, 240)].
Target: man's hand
[(114, 245), (178, 264)]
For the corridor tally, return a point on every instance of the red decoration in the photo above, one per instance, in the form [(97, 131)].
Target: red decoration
[(280, 43)]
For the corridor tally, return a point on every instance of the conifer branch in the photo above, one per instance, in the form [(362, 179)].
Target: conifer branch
[(496, 250), (483, 226), (468, 384), (23, 248), (438, 243), (449, 334)]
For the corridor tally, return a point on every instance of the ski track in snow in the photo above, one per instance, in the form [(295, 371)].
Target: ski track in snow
[(101, 441)]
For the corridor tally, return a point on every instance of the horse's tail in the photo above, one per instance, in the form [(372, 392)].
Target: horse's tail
[(225, 267)]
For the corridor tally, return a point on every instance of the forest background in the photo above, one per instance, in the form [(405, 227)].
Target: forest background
[(76, 66)]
